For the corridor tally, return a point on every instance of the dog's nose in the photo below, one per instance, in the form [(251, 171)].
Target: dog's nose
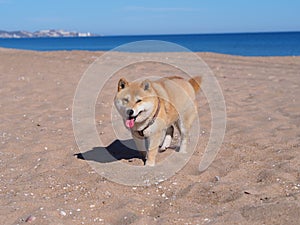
[(129, 112)]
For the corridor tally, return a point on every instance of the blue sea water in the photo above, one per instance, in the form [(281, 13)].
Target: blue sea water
[(243, 44)]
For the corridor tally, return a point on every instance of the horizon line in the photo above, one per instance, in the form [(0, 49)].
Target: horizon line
[(154, 34), (208, 33)]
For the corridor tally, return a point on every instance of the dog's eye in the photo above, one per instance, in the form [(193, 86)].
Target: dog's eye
[(125, 100), (139, 100)]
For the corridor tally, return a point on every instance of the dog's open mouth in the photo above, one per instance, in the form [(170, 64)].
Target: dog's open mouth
[(131, 120)]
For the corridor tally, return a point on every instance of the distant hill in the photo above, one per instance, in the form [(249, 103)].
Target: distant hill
[(43, 33)]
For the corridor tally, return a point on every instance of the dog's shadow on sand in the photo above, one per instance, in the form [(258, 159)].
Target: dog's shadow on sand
[(117, 150)]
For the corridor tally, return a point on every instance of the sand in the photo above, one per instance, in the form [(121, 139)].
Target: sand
[(255, 178)]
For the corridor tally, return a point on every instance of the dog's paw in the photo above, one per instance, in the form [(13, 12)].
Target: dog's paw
[(167, 143), (149, 163), (162, 150), (182, 149)]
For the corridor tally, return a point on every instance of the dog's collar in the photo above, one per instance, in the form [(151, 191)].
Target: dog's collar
[(141, 132)]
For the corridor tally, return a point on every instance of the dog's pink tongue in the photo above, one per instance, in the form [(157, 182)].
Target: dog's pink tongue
[(130, 123)]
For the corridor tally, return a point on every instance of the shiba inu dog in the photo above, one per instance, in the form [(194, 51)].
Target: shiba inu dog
[(150, 109)]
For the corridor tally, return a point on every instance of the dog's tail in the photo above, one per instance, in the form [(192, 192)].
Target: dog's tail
[(195, 82)]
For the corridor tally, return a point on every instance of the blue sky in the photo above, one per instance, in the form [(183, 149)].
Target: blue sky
[(118, 17)]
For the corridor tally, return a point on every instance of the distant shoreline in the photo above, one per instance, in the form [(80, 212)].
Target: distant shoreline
[(43, 34), (204, 54)]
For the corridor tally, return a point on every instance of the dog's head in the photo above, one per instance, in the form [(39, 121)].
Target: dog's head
[(135, 101)]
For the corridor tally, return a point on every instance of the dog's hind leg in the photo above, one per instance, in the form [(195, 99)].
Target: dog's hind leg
[(168, 138), (183, 136), (184, 125)]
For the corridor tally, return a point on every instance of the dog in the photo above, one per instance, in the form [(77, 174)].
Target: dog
[(151, 109)]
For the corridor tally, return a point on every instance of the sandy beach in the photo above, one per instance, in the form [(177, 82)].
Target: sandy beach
[(255, 178)]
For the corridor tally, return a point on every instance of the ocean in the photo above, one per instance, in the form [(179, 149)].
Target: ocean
[(242, 44)]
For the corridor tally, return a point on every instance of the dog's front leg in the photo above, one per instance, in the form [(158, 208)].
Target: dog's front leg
[(141, 144), (154, 142)]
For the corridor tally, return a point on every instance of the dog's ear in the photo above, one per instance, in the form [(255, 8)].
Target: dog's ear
[(122, 84), (146, 85)]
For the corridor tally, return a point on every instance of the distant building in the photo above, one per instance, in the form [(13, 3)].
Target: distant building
[(43, 33)]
